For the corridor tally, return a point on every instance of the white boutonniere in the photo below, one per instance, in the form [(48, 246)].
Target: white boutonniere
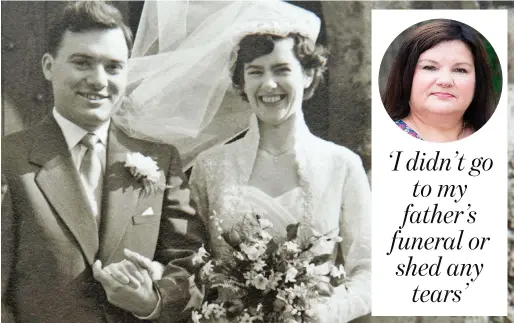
[(146, 170)]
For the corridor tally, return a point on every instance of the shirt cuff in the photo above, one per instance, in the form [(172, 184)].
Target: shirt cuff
[(156, 312)]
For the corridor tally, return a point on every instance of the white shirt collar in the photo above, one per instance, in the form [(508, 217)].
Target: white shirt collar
[(73, 133)]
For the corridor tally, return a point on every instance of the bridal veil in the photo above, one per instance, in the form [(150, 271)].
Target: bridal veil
[(179, 90)]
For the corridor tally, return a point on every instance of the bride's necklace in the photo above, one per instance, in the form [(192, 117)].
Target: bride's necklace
[(459, 135), (275, 155)]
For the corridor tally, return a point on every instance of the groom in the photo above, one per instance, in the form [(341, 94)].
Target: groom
[(70, 202)]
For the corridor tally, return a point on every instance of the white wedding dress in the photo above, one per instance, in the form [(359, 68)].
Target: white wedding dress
[(333, 196), (173, 98)]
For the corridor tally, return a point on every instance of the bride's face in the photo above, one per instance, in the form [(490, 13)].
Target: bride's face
[(274, 83)]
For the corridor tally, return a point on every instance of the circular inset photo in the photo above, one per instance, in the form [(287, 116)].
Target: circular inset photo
[(440, 80)]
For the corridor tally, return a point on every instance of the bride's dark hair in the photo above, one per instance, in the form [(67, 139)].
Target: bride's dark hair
[(311, 57)]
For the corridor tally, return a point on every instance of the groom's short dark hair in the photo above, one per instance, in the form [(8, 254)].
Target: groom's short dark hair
[(81, 16)]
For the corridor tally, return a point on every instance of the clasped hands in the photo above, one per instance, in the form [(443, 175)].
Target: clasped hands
[(129, 284)]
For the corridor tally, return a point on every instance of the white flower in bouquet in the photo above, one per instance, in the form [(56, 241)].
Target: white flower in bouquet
[(291, 309), (265, 223), (216, 221), (289, 295), (261, 245), (259, 265), (196, 317), (291, 274), (247, 318), (207, 310), (266, 237), (239, 255), (274, 279), (312, 271), (198, 257), (252, 252), (248, 276), (297, 291), (260, 282), (202, 252), (211, 309), (219, 311), (337, 272), (207, 269), (292, 247)]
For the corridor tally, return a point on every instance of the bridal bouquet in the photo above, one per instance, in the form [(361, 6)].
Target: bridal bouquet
[(266, 279)]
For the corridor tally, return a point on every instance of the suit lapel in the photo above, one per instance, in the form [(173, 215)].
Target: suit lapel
[(58, 179), (120, 195)]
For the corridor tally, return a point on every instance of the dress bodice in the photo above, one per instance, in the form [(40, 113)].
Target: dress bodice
[(289, 200), (333, 198)]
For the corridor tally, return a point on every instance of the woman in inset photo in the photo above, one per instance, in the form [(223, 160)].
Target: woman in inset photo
[(440, 85)]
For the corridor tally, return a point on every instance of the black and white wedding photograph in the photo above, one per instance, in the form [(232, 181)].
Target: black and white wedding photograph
[(183, 162)]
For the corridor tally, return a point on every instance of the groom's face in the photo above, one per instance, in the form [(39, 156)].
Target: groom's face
[(88, 75)]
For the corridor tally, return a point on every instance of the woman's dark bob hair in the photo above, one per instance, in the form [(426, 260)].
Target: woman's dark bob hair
[(252, 46), (397, 93)]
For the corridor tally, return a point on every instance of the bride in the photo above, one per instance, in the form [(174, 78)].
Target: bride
[(279, 169), (300, 178)]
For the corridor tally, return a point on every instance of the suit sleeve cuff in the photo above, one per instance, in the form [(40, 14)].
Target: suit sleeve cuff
[(156, 312)]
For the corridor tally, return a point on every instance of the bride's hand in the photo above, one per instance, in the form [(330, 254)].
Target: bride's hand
[(157, 270), (325, 289)]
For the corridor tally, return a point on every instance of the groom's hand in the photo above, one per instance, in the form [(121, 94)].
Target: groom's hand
[(129, 271), (154, 268), (141, 301), (126, 273)]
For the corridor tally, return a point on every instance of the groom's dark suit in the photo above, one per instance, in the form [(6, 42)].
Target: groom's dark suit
[(50, 237)]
